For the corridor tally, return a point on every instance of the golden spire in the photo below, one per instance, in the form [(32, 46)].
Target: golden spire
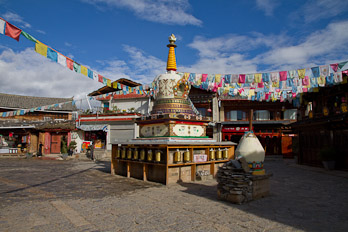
[(171, 62)]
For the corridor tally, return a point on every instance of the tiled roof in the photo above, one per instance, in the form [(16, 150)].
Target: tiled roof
[(27, 102)]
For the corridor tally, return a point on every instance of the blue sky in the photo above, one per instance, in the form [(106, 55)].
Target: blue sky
[(128, 38)]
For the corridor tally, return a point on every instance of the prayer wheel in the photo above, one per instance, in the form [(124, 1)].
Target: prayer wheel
[(118, 153), (149, 155), (158, 156), (225, 153), (123, 153), (129, 154), (187, 156), (219, 154), (142, 154), (135, 154), (212, 154), (177, 156)]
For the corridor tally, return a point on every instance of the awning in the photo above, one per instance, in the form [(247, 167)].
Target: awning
[(95, 127)]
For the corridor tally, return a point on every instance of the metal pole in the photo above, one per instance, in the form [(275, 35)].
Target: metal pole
[(89, 104)]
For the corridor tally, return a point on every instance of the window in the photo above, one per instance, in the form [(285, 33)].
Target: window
[(290, 114), (204, 112), (235, 115), (261, 115)]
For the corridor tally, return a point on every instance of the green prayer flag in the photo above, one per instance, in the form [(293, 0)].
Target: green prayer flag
[(340, 65), (29, 37)]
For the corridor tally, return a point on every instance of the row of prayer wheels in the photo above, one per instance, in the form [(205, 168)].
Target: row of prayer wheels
[(135, 154), (185, 156)]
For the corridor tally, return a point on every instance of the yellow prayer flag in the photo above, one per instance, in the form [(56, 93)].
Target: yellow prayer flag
[(258, 77), (108, 82), (251, 93), (41, 48), (345, 80), (275, 84), (84, 70), (115, 85), (301, 73), (217, 78), (186, 76)]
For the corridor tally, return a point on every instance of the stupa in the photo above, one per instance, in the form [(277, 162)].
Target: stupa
[(172, 145), (172, 116)]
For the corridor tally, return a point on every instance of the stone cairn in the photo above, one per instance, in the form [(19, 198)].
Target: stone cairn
[(236, 183)]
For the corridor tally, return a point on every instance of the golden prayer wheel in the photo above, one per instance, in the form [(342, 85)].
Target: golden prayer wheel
[(118, 153), (225, 153), (219, 154), (177, 156), (187, 156), (212, 154), (142, 154), (123, 153), (158, 156), (135, 154), (149, 155), (129, 153)]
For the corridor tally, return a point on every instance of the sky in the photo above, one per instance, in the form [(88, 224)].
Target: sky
[(128, 38)]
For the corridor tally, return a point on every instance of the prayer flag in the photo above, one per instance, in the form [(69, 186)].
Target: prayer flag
[(249, 78), (90, 73), (324, 70), (334, 67), (241, 78), (100, 78), (316, 72), (292, 73), (84, 70), (275, 76), (258, 78), (77, 67), (204, 77), (342, 64), (70, 63), (52, 55), (29, 37), (41, 48), (95, 76), (62, 60), (12, 31), (108, 82), (301, 73), (283, 75), (235, 78), (104, 81), (265, 77), (2, 26)]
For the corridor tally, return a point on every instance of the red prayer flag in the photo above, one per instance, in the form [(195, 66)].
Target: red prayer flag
[(70, 63), (283, 75), (12, 31), (100, 78)]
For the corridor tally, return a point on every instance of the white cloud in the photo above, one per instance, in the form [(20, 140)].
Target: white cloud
[(15, 18), (321, 46), (267, 6), (258, 52), (321, 9), (28, 73), (160, 11)]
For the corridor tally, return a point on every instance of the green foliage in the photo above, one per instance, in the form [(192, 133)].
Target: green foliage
[(72, 145), (64, 147)]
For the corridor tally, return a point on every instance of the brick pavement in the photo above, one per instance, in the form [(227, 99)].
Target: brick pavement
[(41, 195)]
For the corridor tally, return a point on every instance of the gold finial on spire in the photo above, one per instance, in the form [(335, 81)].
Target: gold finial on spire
[(171, 62)]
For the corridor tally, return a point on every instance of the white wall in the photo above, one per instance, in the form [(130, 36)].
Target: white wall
[(140, 104)]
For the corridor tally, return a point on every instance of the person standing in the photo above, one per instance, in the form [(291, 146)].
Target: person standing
[(40, 150)]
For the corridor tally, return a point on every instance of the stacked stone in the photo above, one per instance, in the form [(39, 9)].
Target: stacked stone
[(235, 182)]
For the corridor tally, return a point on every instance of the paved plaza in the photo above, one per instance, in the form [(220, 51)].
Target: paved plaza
[(75, 195)]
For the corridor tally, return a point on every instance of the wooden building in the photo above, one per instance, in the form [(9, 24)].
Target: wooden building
[(322, 123), (24, 132)]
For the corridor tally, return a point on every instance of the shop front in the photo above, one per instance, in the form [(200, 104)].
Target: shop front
[(15, 140)]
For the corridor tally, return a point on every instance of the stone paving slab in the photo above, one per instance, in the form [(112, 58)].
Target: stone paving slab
[(40, 195)]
